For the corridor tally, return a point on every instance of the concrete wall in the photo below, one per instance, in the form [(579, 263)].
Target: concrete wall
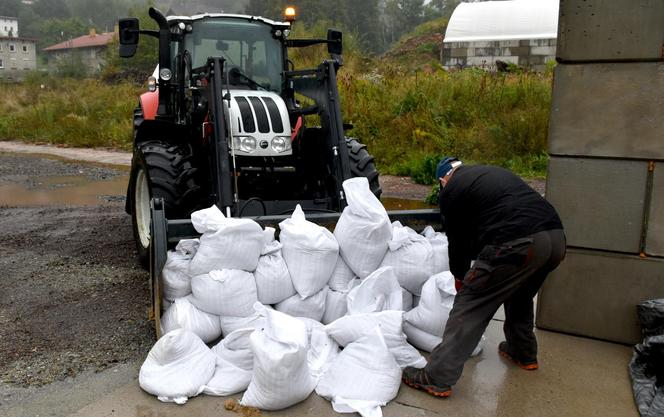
[(18, 56), (606, 172), (529, 53)]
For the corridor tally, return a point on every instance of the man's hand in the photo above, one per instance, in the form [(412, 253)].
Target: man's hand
[(458, 283)]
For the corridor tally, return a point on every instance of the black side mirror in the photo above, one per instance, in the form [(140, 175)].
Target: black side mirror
[(128, 30), (334, 42)]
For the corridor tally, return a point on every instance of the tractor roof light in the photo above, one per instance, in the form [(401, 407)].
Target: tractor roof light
[(290, 14)]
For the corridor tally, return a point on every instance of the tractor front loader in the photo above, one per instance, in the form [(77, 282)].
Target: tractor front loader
[(227, 120)]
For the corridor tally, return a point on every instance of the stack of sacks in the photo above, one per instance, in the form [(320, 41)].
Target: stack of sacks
[(362, 378), (424, 325), (177, 367), (411, 256), (273, 280), (438, 241), (281, 376), (235, 364), (363, 230), (311, 253), (226, 292), (175, 278)]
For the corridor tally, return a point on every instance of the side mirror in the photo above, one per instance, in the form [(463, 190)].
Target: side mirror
[(334, 42), (129, 32)]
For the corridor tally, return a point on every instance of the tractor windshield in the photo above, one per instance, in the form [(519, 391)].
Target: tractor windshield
[(247, 46)]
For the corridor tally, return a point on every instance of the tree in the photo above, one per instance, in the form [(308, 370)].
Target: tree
[(10, 8), (52, 9)]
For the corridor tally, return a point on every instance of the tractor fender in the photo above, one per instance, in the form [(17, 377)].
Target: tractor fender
[(149, 104)]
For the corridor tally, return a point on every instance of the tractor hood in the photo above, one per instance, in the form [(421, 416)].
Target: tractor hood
[(259, 123)]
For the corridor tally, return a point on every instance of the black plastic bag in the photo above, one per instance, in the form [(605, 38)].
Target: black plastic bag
[(647, 365)]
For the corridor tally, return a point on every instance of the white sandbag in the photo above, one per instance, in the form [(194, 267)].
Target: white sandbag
[(273, 280), (350, 328), (435, 304), (175, 278), (428, 342), (335, 306), (235, 363), (231, 324), (416, 300), (363, 230), (184, 315), (310, 252), (281, 375), (377, 292), (411, 256), (366, 371), (441, 258), (312, 307), (227, 292), (177, 367), (406, 299), (342, 275), (322, 351), (226, 243)]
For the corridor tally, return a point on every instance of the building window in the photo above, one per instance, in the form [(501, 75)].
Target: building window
[(1, 64), (25, 48), (12, 47)]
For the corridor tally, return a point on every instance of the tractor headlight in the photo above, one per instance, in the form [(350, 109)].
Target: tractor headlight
[(165, 74), (280, 144), (247, 144)]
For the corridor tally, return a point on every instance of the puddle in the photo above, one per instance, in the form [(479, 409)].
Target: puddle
[(64, 190), (403, 204)]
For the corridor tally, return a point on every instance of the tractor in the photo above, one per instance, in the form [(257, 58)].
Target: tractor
[(229, 121)]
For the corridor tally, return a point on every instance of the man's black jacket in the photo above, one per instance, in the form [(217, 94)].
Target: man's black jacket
[(485, 205)]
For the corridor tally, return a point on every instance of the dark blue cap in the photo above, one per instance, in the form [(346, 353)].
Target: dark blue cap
[(445, 166)]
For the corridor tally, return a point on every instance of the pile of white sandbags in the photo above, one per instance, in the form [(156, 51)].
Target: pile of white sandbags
[(286, 307)]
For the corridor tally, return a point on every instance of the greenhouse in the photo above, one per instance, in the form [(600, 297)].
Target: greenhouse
[(521, 32)]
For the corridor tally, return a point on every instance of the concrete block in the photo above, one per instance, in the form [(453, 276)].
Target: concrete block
[(655, 233), (601, 30), (517, 50), (595, 294), (600, 201), (543, 50), (609, 110)]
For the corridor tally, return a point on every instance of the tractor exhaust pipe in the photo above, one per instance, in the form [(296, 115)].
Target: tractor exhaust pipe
[(165, 71)]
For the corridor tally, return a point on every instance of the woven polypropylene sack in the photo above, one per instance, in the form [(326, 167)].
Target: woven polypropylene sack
[(273, 281), (407, 299), (175, 278), (177, 367), (235, 363), (225, 243), (312, 307), (281, 375), (411, 256), (428, 342), (335, 306), (377, 292), (435, 304), (184, 315), (228, 292), (363, 230), (310, 252), (230, 324), (342, 275), (439, 244), (365, 370)]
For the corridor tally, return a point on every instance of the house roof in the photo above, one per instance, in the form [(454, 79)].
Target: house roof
[(503, 20), (85, 41)]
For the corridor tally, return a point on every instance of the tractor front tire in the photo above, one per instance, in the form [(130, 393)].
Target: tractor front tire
[(362, 164), (160, 170)]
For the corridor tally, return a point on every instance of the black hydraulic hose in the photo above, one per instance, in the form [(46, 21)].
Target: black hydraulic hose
[(246, 203)]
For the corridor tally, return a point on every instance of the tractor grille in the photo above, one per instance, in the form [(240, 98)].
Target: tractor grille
[(261, 109)]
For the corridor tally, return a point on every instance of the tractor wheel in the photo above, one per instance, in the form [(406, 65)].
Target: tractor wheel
[(362, 164), (161, 170)]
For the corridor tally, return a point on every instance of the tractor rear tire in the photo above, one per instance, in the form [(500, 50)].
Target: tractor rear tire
[(362, 164), (161, 170)]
